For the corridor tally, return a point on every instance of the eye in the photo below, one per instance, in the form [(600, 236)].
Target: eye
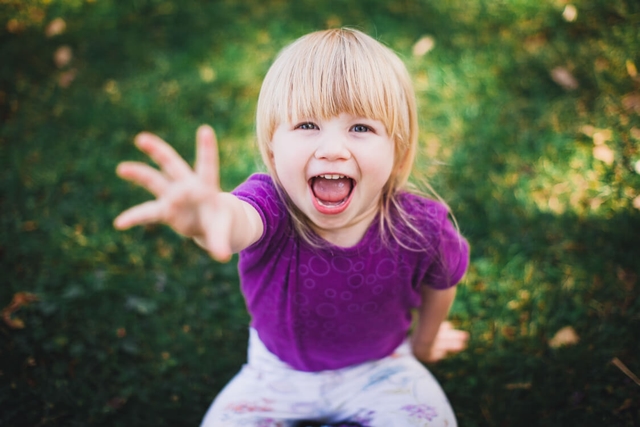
[(361, 128), (307, 126)]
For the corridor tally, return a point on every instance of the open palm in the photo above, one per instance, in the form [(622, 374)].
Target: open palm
[(188, 200)]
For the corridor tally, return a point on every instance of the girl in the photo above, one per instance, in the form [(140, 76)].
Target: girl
[(335, 252)]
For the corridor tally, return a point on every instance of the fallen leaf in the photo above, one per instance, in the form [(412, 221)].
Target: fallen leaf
[(627, 404), (62, 56), (19, 299), (631, 68), (604, 154), (564, 78), (570, 13), (565, 336), (65, 79), (509, 332), (423, 46), (595, 203), (631, 101), (601, 136), (112, 89), (36, 14), (14, 26), (333, 22), (618, 363), (29, 225), (601, 64), (207, 74), (627, 277), (116, 402), (55, 27), (588, 130), (534, 43), (518, 386)]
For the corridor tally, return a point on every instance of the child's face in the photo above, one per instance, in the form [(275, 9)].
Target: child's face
[(334, 171)]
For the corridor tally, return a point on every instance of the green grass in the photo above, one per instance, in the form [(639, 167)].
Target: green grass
[(142, 328)]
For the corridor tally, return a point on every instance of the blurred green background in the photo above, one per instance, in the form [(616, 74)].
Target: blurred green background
[(530, 115)]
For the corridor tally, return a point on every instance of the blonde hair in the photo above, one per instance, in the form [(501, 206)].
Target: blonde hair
[(326, 73)]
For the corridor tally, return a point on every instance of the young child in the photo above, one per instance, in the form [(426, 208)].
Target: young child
[(335, 251)]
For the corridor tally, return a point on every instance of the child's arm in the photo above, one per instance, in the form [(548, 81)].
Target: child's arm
[(433, 337), (189, 200)]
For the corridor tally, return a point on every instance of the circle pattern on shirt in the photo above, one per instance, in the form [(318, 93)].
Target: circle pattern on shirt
[(319, 266), (327, 310), (341, 264), (334, 283)]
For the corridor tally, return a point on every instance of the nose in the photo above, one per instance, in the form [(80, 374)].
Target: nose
[(332, 146)]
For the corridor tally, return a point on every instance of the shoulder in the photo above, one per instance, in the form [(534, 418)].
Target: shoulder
[(256, 184), (440, 235), (261, 192), (425, 213)]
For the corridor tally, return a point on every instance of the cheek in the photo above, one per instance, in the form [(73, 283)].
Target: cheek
[(387, 170), (381, 162), (288, 164), (282, 158), (386, 162)]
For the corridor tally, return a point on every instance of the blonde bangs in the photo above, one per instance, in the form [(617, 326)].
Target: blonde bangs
[(327, 73)]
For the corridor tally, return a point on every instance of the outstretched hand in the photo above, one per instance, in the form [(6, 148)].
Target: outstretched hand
[(188, 200)]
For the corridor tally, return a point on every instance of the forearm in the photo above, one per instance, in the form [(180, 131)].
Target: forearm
[(433, 311)]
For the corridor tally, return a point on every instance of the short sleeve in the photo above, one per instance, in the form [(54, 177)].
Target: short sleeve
[(450, 259), (260, 191)]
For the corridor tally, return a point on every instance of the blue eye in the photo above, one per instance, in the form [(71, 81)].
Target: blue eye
[(307, 126), (360, 128)]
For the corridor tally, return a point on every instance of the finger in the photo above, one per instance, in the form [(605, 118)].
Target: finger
[(163, 155), (438, 355), (145, 213), (445, 326), (463, 335), (453, 345), (458, 335), (207, 166), (143, 175), (453, 339)]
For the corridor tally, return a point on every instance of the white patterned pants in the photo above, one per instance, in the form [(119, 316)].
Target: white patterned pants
[(394, 391)]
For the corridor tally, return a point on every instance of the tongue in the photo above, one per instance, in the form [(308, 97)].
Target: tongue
[(331, 190)]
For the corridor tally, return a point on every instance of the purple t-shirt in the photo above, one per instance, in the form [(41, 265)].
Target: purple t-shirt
[(329, 307)]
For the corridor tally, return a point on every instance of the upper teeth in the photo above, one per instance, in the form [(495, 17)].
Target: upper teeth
[(327, 176)]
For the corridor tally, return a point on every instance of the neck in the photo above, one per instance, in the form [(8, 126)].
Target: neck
[(348, 235)]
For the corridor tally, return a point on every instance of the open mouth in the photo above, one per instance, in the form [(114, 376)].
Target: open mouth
[(331, 192)]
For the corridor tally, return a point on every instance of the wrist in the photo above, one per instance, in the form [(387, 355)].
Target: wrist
[(422, 350)]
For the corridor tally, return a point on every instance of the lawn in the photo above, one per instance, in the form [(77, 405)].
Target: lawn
[(530, 129)]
